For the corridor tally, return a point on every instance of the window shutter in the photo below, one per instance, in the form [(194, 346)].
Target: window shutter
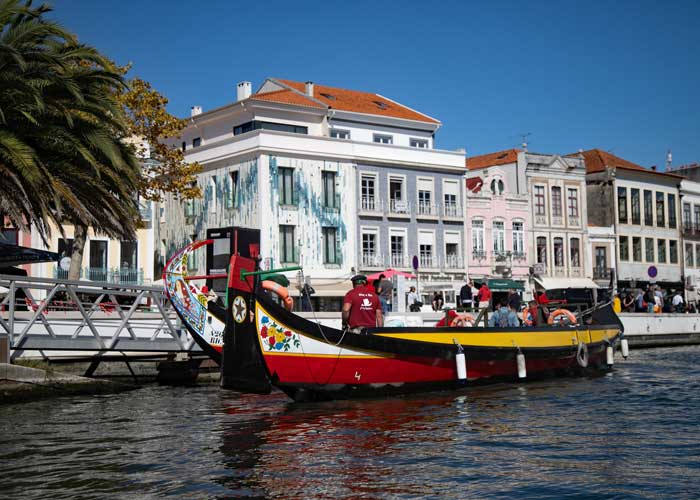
[(338, 250)]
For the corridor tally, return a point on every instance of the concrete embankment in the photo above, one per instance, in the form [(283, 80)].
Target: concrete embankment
[(656, 330), (22, 383)]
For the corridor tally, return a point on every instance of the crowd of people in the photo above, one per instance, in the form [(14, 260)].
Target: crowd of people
[(652, 299)]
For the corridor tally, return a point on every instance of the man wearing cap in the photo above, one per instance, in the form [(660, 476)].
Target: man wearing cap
[(361, 307)]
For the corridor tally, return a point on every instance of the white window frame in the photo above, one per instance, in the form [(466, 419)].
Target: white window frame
[(431, 180), (433, 245), (544, 200), (383, 138), (458, 241), (378, 238), (521, 236), (482, 231), (500, 232), (417, 142), (398, 231), (340, 132)]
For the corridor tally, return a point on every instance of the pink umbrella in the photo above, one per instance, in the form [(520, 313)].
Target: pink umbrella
[(389, 273)]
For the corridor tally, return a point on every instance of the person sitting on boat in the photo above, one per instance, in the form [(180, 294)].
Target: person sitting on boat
[(361, 307), (504, 317)]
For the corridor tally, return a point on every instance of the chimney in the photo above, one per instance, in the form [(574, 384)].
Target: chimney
[(243, 90), (196, 110), (310, 89), (653, 167)]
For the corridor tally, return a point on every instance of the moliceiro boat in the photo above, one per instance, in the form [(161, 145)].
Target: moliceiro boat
[(266, 345)]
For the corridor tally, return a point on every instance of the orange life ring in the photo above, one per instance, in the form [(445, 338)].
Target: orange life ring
[(562, 312), (527, 317), (462, 319), (281, 292)]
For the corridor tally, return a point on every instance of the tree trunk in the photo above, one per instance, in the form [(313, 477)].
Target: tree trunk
[(76, 258)]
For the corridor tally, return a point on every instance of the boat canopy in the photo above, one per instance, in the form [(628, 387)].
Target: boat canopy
[(563, 283), (498, 284)]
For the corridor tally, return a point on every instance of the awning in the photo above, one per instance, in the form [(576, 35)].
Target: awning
[(499, 284), (13, 255), (563, 283), (325, 288)]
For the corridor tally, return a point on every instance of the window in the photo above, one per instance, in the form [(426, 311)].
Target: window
[(497, 186), (261, 125), (383, 139), (649, 249), (648, 209), (396, 195), (285, 186), (196, 142), (288, 252), (660, 216), (572, 202), (425, 196), (98, 260), (328, 189), (697, 254), (541, 250), (337, 133), (184, 146), (381, 105), (689, 255), (636, 213), (636, 249), (575, 252), (673, 251), (211, 194), (499, 237), (559, 252), (556, 201), (622, 205), (452, 254), (661, 251), (624, 248), (518, 239), (397, 250), (539, 200), (478, 237), (419, 143), (232, 195), (671, 210), (65, 247), (426, 255), (687, 222), (601, 258), (696, 214), (369, 244), (129, 254), (330, 245), (368, 192), (450, 201)]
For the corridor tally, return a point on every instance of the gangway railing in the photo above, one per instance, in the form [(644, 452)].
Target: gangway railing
[(44, 314)]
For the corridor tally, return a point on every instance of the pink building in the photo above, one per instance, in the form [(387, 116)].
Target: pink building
[(498, 220)]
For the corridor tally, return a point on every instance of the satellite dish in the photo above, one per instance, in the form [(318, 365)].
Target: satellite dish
[(64, 264)]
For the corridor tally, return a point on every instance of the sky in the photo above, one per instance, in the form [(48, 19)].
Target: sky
[(621, 76)]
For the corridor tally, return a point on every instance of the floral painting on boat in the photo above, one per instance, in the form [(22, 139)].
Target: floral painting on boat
[(276, 337)]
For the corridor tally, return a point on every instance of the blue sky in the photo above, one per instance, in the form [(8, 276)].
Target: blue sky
[(622, 76)]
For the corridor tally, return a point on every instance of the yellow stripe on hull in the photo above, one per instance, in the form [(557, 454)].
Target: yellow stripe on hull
[(521, 338)]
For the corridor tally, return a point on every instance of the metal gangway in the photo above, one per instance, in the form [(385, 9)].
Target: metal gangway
[(87, 318)]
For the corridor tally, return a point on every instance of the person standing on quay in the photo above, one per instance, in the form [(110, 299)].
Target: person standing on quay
[(384, 290), (484, 296)]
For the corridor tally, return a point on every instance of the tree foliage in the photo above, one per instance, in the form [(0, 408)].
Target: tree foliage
[(149, 120)]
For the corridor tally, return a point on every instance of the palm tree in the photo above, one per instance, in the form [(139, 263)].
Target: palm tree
[(61, 130)]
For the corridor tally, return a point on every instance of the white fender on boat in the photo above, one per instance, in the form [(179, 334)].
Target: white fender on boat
[(625, 348), (522, 371), (582, 355), (609, 355), (461, 361)]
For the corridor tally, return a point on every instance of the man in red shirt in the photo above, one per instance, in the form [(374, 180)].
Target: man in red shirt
[(361, 307)]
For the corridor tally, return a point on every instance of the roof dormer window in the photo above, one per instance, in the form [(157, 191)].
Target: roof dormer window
[(330, 97), (381, 105)]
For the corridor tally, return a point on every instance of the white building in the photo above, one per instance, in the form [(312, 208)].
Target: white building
[(690, 220), (285, 161)]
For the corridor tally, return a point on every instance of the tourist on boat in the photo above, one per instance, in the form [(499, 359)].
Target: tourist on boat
[(484, 296), (361, 307), (504, 317), (414, 303), (384, 290), (678, 304), (466, 297), (514, 300), (628, 302), (535, 313), (617, 304), (542, 298)]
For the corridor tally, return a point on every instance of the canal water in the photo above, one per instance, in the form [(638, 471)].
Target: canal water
[(634, 433)]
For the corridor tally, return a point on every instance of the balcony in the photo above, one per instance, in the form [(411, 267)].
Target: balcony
[(371, 260), (126, 275), (519, 256), (427, 211), (574, 221), (557, 220), (601, 273), (452, 211), (559, 271), (576, 272), (370, 206), (478, 255), (399, 260), (427, 261), (399, 209), (453, 262)]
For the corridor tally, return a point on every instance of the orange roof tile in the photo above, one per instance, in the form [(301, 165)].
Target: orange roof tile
[(598, 160), (359, 102), (287, 97), (492, 159)]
